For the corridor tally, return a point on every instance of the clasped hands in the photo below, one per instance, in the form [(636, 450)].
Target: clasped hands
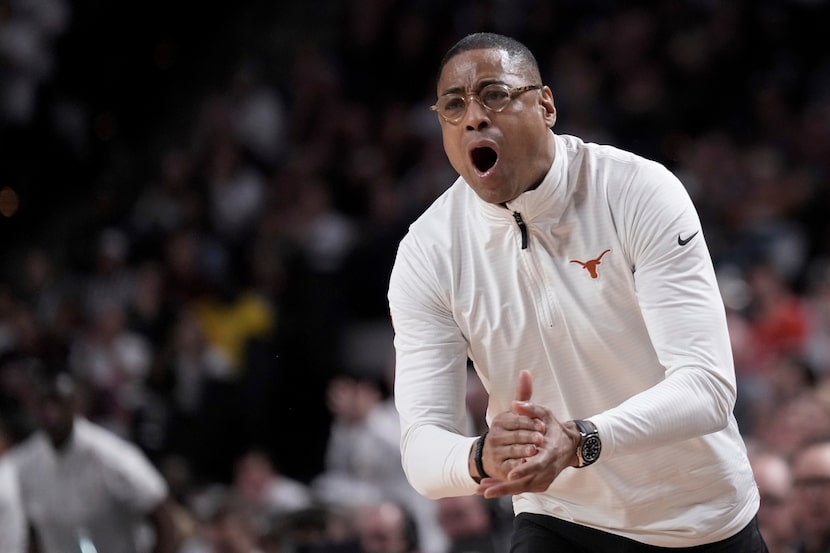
[(526, 447)]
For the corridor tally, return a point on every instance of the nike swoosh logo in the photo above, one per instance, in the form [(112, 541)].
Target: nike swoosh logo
[(682, 242)]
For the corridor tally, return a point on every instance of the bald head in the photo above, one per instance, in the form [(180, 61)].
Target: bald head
[(811, 493), (386, 528), (772, 474)]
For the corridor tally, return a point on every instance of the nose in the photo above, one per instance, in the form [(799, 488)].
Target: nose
[(477, 116)]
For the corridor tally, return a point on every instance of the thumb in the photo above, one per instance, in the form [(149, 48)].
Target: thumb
[(524, 389)]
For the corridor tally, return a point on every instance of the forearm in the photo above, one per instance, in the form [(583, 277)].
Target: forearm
[(690, 403), (430, 390), (682, 309), (436, 462)]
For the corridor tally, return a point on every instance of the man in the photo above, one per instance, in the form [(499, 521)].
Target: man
[(386, 527), (775, 517), (577, 280), (811, 496), (470, 524), (362, 462), (84, 487)]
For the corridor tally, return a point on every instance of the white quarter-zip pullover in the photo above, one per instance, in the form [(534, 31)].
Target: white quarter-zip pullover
[(614, 307)]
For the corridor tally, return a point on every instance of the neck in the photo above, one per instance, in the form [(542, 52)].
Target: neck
[(61, 441)]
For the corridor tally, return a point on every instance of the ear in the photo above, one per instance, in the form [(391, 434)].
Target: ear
[(547, 106)]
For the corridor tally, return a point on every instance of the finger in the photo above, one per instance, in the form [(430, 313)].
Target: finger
[(516, 423), (501, 488), (524, 388), (539, 415), (486, 484), (532, 438), (519, 451), (526, 468)]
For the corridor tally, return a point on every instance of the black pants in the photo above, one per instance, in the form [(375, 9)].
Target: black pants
[(543, 534)]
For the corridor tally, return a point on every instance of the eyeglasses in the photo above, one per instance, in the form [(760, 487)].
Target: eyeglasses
[(494, 97)]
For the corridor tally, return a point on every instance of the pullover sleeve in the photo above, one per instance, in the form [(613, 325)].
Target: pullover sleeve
[(684, 314), (430, 379)]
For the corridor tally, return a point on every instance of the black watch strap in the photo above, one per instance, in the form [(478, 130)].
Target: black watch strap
[(479, 456)]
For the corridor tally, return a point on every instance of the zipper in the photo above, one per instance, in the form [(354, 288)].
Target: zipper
[(543, 293), (522, 228)]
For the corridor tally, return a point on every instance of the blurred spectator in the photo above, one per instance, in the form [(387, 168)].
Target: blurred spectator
[(51, 304), (28, 30), (41, 286), (190, 259), (189, 373), (364, 424), (791, 376), (167, 202), (788, 381), (228, 530), (13, 529), (260, 486), (231, 319), (258, 117), (192, 379), (114, 361), (386, 527), (113, 496), (149, 312), (20, 332), (193, 361), (471, 525), (324, 233), (817, 300), (238, 325), (775, 518), (112, 280), (777, 316), (785, 427), (811, 498), (363, 460), (236, 192), (769, 328), (319, 529)]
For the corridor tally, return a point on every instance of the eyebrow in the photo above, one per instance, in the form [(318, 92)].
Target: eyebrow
[(461, 89)]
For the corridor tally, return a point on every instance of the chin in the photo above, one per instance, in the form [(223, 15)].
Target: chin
[(490, 196)]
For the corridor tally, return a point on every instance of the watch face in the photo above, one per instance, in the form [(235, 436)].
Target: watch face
[(591, 448)]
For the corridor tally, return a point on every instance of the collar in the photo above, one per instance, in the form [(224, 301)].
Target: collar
[(545, 203), (69, 447)]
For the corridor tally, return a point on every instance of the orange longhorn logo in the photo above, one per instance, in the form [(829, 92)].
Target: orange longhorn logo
[(591, 265)]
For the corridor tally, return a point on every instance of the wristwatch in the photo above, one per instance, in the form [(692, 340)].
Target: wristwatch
[(590, 446)]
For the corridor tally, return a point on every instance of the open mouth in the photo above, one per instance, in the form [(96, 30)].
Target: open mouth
[(484, 159)]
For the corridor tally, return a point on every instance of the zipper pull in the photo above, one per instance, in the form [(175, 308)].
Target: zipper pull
[(522, 228)]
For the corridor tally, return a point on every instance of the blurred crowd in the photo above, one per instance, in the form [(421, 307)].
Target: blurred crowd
[(208, 255)]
